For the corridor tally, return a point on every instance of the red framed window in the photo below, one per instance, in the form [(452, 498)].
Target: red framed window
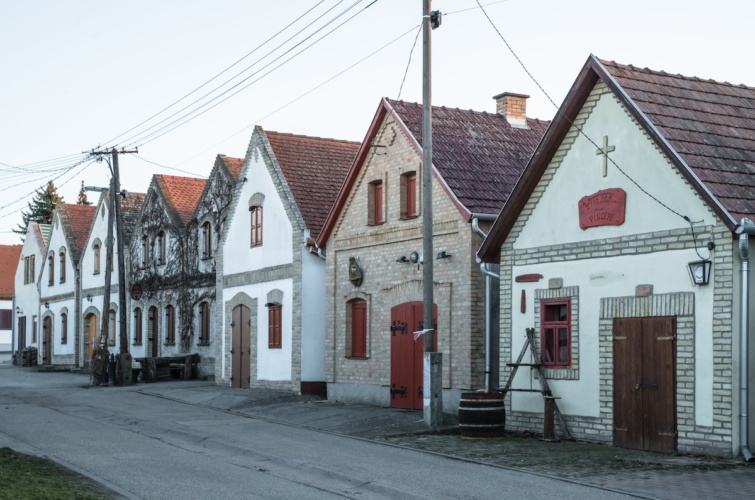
[(204, 323), (359, 329), (62, 267), (274, 317), (409, 195), (63, 328), (170, 325), (137, 326), (375, 212), (555, 333), (256, 226)]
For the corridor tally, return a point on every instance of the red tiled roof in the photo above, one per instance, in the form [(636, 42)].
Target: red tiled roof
[(711, 125), (80, 219), (314, 169), (479, 155), (181, 194), (9, 258), (233, 165)]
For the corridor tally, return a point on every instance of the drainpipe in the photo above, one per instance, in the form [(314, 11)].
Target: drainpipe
[(745, 229), (489, 277)]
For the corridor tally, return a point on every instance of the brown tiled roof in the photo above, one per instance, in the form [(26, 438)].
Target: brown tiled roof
[(131, 207), (233, 165), (711, 125), (181, 194), (314, 169), (9, 258), (79, 221), (479, 155)]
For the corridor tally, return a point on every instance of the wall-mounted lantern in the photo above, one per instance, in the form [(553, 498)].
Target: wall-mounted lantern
[(699, 272)]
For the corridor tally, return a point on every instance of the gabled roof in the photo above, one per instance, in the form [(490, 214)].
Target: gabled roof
[(9, 259), (77, 219), (223, 163), (181, 195), (233, 165), (705, 128), (44, 234), (131, 206), (314, 169), (477, 156)]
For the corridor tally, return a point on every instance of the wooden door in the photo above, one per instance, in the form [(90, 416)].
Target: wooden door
[(47, 341), (407, 355), (153, 332), (645, 383), (90, 337), (21, 333), (241, 348)]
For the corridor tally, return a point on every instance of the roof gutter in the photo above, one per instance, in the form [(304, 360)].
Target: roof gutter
[(489, 277), (745, 229)]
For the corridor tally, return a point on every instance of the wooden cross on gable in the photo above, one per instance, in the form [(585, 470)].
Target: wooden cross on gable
[(604, 151)]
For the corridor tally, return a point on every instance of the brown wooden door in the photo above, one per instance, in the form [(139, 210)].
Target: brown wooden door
[(645, 383), (21, 333), (153, 332), (407, 355), (241, 349), (90, 337), (47, 341)]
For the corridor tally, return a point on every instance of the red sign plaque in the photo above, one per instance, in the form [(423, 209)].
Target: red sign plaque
[(604, 208)]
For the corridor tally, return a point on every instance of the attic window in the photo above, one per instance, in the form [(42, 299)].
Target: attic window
[(375, 206), (206, 240), (409, 195)]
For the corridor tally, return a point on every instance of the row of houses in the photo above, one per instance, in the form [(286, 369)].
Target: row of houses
[(618, 231)]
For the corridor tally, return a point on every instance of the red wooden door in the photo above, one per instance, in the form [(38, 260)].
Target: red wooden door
[(407, 355), (241, 347), (645, 383), (47, 341)]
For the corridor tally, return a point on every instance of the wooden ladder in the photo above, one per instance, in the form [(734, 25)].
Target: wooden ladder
[(544, 389)]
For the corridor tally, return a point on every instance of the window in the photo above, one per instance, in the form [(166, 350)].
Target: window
[(170, 325), (555, 338), (34, 329), (6, 319), (409, 195), (206, 240), (145, 250), (204, 323), (50, 270), (375, 203), (137, 326), (29, 273), (62, 267), (274, 326), (161, 248), (96, 256), (256, 226), (63, 328), (358, 329)]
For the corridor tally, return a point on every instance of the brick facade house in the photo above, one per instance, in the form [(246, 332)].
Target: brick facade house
[(604, 247), (373, 242)]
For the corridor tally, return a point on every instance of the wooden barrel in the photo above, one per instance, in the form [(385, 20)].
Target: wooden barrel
[(481, 415)]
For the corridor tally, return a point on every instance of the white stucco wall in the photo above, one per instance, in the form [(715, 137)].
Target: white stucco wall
[(555, 220)]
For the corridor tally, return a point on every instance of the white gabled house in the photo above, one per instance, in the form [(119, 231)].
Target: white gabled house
[(271, 289)]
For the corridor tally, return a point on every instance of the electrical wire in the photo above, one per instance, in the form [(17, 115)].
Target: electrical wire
[(409, 62)]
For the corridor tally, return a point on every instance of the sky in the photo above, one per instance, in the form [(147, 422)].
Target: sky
[(86, 74)]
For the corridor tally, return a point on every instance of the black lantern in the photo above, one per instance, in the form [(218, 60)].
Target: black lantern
[(699, 272)]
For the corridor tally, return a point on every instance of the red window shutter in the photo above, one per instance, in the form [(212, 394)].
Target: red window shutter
[(411, 195), (359, 329), (555, 333), (256, 226), (274, 326), (378, 203)]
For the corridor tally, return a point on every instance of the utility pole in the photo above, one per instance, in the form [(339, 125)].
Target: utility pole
[(432, 391), (116, 212)]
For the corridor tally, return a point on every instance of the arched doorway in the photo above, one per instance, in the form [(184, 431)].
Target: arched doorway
[(153, 333), (241, 347), (90, 337), (407, 355), (47, 340)]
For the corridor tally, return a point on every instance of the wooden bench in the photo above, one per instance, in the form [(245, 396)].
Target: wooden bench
[(167, 368)]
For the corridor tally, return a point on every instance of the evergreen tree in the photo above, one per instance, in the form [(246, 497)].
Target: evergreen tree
[(82, 199), (41, 207)]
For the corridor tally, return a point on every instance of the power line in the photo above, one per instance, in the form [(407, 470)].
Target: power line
[(409, 62)]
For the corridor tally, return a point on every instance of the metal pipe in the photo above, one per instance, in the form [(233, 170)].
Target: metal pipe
[(489, 276), (745, 230)]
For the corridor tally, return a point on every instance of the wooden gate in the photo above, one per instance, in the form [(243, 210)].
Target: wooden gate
[(47, 341), (644, 383), (241, 349), (407, 355), (153, 332)]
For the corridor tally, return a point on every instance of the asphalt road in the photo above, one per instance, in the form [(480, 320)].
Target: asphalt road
[(152, 448)]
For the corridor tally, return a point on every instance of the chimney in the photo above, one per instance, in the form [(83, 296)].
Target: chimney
[(513, 107)]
